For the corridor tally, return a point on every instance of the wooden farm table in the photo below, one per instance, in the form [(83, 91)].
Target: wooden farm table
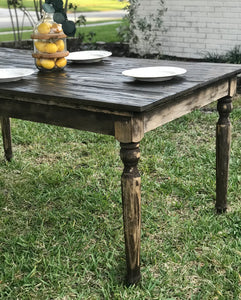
[(98, 98)]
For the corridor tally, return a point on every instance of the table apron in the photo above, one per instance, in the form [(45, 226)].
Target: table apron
[(183, 105), (98, 122)]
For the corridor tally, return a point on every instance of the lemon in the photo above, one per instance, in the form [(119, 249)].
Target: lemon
[(51, 48), (44, 28), (47, 64), (40, 46), (49, 24), (56, 28), (60, 45), (38, 62), (61, 62)]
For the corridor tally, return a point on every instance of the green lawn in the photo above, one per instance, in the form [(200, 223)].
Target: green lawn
[(61, 233), (107, 33), (84, 5), (10, 29)]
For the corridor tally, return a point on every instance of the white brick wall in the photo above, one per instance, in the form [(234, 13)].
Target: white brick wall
[(194, 28)]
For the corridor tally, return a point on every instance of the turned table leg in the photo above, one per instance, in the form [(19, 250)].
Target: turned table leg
[(7, 140), (223, 143), (131, 201)]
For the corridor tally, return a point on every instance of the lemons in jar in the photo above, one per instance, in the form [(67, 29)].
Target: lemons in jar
[(51, 48), (60, 45), (47, 63), (61, 62), (40, 46), (56, 28), (44, 28), (38, 62)]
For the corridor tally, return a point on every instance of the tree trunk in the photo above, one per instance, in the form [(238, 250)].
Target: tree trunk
[(12, 22)]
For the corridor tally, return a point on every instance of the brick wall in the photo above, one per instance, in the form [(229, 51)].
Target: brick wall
[(194, 28)]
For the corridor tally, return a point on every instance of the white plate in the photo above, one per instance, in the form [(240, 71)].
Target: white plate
[(14, 74), (88, 56), (154, 73)]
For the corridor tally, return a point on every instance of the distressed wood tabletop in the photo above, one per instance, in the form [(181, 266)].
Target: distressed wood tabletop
[(102, 84)]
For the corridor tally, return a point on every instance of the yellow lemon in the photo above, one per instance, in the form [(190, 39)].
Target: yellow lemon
[(49, 24), (47, 63), (40, 46), (44, 28), (51, 48), (56, 28), (61, 62), (60, 45), (38, 62)]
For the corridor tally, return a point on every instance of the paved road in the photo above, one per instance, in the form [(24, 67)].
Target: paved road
[(5, 21)]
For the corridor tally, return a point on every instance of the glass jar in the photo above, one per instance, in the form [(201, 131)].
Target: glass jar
[(49, 41)]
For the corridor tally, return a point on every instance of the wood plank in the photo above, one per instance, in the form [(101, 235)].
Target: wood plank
[(232, 86), (102, 85), (223, 146), (130, 130), (7, 140), (183, 105), (79, 119), (131, 202)]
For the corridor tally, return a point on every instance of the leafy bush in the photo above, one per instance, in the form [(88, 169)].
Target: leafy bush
[(233, 56)]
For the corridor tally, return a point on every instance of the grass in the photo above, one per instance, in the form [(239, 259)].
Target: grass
[(61, 234), (83, 5), (107, 33), (10, 29)]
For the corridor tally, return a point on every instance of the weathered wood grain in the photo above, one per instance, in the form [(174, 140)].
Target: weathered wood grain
[(98, 122), (223, 144), (102, 84), (232, 86), (131, 201), (130, 130), (6, 135), (171, 110)]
